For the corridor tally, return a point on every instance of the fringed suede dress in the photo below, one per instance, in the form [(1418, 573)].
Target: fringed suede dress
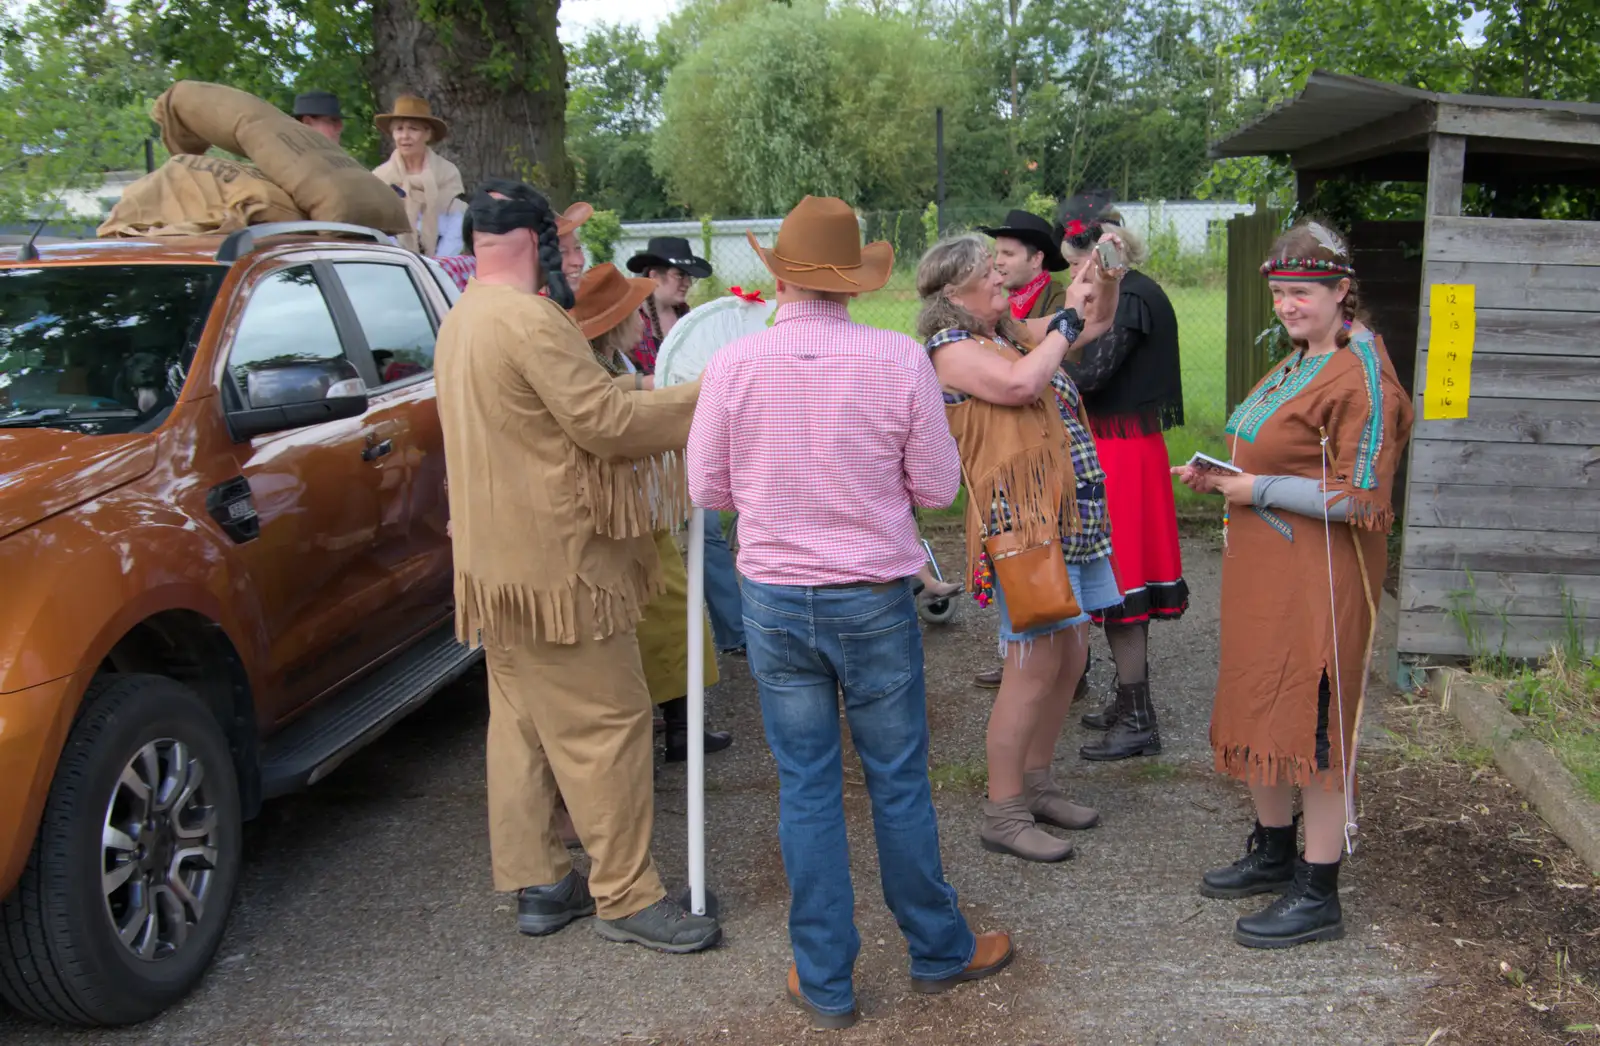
[(1295, 657)]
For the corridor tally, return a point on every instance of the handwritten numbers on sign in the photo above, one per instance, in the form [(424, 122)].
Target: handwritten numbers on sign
[(1453, 324)]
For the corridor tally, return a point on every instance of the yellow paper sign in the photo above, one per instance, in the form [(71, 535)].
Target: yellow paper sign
[(1453, 324)]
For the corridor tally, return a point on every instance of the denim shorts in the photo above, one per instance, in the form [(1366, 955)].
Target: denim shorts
[(1095, 585)]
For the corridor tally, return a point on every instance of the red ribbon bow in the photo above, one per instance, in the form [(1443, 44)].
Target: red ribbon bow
[(753, 297), (1074, 228)]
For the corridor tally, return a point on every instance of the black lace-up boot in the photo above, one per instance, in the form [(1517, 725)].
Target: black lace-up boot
[(1266, 867), (1308, 912), (1134, 733)]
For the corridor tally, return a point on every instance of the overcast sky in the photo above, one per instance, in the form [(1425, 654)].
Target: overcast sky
[(578, 15)]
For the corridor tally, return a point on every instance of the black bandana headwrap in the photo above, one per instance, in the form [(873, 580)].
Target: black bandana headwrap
[(523, 208)]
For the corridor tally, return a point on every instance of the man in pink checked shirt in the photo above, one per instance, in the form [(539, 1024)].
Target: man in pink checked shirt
[(824, 434)]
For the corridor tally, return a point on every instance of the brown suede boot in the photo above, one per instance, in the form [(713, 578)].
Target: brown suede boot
[(1008, 828), (1050, 805), (992, 955)]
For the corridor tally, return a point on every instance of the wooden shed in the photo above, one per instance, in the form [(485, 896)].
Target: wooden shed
[(1501, 506)]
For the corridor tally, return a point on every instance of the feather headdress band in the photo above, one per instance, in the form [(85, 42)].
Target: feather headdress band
[(1308, 269)]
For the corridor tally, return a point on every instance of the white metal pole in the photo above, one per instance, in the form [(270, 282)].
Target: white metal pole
[(697, 711)]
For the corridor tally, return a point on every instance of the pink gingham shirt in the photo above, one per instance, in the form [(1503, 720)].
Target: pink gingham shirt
[(823, 434)]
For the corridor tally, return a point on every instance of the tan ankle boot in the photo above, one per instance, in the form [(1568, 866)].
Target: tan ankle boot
[(1008, 828), (1050, 805)]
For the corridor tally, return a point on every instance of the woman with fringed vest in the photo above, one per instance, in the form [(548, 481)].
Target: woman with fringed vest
[(1133, 392), (1305, 552), (1032, 478)]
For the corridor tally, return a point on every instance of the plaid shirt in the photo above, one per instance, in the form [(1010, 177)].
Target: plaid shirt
[(823, 434), (644, 353), (1094, 541)]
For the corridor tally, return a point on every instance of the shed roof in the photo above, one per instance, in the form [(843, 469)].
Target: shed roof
[(1315, 127)]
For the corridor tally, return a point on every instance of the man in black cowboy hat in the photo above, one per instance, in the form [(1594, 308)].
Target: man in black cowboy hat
[(319, 110), (1026, 251)]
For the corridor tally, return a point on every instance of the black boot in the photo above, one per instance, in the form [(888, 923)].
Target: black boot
[(1134, 732), (1308, 912), (1106, 718), (676, 713), (1266, 867)]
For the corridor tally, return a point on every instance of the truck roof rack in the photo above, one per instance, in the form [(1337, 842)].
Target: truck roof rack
[(243, 241)]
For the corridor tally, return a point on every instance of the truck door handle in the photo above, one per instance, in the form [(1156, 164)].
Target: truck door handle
[(375, 451)]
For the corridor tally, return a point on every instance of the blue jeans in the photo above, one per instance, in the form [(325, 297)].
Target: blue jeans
[(806, 644), (722, 588)]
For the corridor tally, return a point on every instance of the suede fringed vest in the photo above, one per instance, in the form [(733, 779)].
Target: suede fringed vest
[(1017, 464)]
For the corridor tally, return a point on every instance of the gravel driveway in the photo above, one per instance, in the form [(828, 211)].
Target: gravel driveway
[(366, 913)]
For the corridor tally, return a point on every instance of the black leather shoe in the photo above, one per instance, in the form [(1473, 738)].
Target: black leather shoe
[(1308, 912), (546, 909), (678, 743), (676, 713), (1134, 733), (1266, 867)]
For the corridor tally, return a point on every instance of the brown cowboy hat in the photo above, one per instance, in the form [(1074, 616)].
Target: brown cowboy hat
[(606, 298), (819, 248), (572, 217), (411, 107)]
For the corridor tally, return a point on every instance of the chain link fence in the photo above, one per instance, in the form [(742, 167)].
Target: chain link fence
[(1187, 247)]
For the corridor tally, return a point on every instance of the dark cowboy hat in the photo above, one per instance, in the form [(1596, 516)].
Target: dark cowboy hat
[(669, 252), (1036, 233), (317, 103)]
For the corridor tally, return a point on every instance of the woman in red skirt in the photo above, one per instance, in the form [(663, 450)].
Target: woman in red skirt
[(1133, 391)]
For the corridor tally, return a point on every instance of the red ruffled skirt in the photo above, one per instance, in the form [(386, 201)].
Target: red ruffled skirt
[(1144, 529)]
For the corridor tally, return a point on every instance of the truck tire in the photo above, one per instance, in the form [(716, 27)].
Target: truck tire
[(127, 889)]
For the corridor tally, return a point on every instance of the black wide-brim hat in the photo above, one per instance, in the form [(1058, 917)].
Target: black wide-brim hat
[(317, 103), (1036, 233), (669, 252)]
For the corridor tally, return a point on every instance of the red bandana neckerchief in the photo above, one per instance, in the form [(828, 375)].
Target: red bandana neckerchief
[(1022, 298)]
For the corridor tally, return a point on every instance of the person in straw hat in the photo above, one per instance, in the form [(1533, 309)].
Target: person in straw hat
[(812, 414), (429, 183), (557, 484)]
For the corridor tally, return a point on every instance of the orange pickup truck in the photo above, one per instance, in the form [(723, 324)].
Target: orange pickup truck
[(223, 569)]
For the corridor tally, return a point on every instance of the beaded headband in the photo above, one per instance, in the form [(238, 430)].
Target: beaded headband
[(1308, 269)]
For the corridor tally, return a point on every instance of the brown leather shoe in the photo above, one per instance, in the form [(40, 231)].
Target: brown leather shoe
[(1008, 828), (993, 954), (989, 680), (1049, 804), (820, 1020)]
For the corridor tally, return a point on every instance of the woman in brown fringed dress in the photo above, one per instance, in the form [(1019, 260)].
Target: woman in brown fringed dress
[(1317, 443)]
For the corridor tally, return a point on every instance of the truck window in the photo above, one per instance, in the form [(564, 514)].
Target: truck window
[(396, 322), (286, 320)]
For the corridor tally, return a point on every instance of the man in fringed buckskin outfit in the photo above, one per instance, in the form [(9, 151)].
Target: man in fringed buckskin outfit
[(556, 486)]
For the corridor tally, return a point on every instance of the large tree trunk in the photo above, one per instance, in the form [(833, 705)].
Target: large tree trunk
[(506, 123)]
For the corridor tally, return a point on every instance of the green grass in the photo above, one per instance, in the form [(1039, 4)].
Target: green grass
[(1202, 324), (970, 775)]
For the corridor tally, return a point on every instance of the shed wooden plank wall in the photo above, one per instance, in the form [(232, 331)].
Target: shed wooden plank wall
[(1511, 494)]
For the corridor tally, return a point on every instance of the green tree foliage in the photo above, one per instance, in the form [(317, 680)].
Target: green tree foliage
[(804, 99), (613, 105), (75, 94)]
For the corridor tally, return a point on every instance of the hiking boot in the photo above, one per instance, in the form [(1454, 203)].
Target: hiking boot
[(1008, 828), (664, 926), (546, 909), (1266, 867), (992, 955), (989, 680), (1309, 911), (676, 713), (819, 1020), (1050, 805), (1134, 733)]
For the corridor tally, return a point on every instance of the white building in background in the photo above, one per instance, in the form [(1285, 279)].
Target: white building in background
[(93, 204), (1193, 222)]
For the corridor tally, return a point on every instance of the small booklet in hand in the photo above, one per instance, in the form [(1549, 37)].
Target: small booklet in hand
[(1207, 463)]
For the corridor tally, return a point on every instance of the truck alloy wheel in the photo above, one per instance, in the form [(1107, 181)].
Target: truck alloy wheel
[(160, 847), (126, 893)]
